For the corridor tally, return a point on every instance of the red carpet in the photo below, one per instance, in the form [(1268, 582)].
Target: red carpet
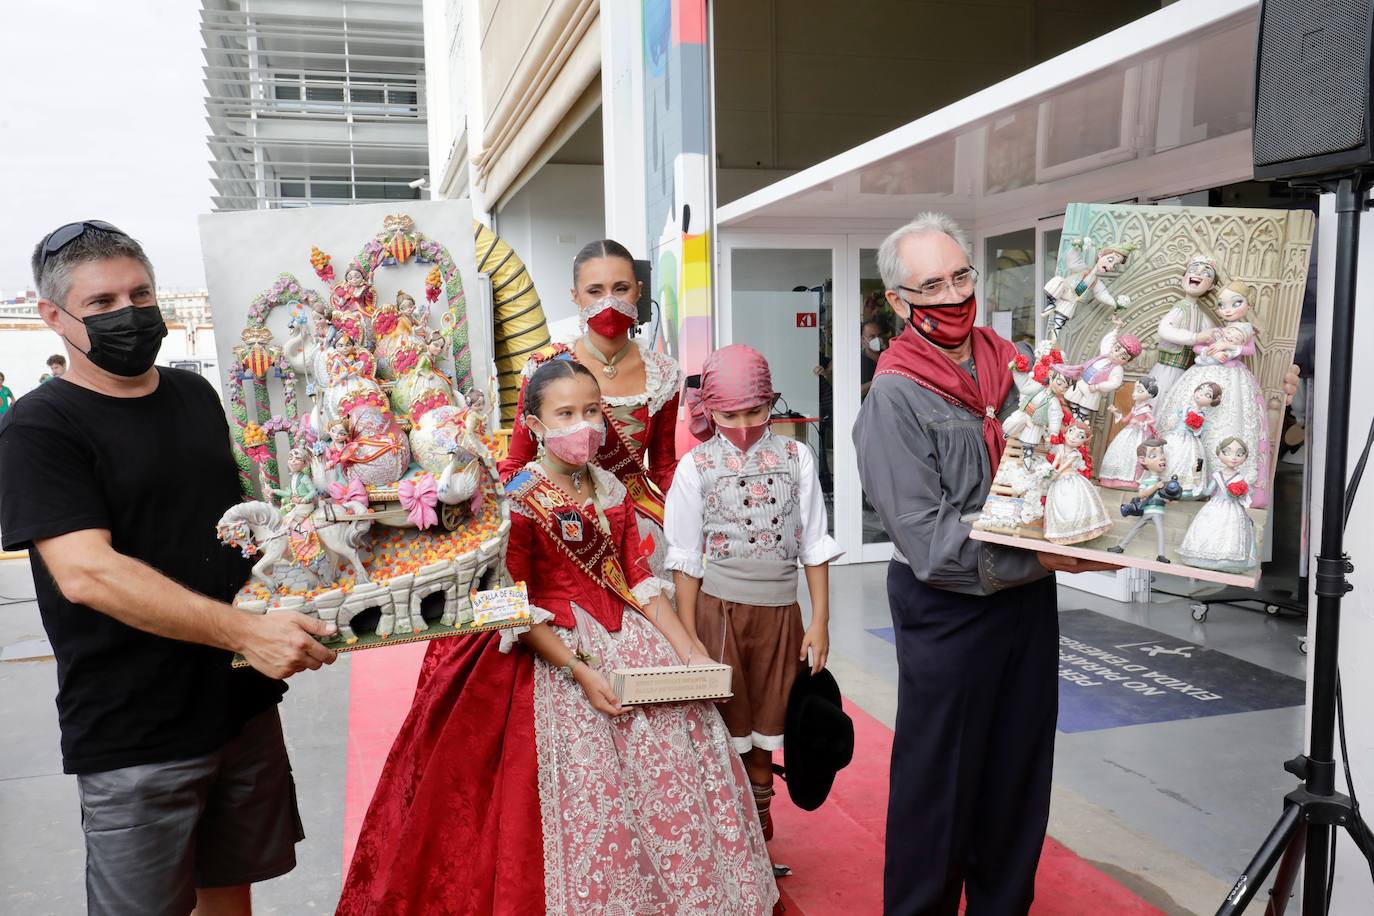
[(836, 853), (380, 687)]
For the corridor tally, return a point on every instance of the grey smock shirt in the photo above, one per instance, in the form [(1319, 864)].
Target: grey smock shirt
[(925, 468)]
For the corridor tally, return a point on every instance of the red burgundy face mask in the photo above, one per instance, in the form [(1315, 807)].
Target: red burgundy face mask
[(609, 316), (946, 326), (610, 324)]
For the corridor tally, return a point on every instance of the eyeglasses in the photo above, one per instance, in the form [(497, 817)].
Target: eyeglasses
[(962, 283), (63, 236)]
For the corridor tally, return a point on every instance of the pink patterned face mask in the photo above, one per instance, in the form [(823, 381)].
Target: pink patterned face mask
[(577, 444)]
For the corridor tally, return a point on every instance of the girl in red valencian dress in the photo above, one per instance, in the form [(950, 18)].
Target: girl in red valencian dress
[(639, 389), (517, 784)]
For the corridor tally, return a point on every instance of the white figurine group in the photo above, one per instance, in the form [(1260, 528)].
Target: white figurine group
[(1197, 428)]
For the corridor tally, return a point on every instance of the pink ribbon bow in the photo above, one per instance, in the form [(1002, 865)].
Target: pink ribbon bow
[(355, 492), (419, 497)]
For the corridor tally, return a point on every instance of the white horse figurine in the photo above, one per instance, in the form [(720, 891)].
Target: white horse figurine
[(258, 527)]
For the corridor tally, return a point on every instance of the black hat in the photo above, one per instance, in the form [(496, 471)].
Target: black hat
[(818, 738)]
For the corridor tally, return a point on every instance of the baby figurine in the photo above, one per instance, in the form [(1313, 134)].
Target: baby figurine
[(1150, 498), (1222, 534), (1230, 344), (1073, 510)]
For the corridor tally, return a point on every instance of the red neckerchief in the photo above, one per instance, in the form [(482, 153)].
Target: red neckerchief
[(913, 357)]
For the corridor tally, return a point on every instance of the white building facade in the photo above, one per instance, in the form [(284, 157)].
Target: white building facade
[(314, 102)]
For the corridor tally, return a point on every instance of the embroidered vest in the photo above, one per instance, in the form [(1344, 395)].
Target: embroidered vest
[(752, 527)]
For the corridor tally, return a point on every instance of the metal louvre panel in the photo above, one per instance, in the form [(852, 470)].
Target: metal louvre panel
[(1312, 82), (313, 103)]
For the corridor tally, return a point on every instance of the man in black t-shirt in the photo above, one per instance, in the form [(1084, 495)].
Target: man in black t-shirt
[(115, 474)]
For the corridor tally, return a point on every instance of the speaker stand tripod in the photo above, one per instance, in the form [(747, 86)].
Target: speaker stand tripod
[(1313, 811)]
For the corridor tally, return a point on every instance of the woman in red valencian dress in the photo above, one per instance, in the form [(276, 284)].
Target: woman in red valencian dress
[(639, 389), (517, 785)]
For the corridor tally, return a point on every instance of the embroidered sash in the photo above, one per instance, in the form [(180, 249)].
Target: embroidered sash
[(618, 456), (579, 536)]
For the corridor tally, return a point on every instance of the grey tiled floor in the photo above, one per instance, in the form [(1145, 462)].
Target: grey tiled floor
[(1205, 788)]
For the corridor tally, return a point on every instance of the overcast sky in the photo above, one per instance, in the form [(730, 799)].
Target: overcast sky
[(102, 115)]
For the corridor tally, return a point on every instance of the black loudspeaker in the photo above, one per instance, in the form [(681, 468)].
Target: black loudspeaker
[(1312, 87), (644, 274)]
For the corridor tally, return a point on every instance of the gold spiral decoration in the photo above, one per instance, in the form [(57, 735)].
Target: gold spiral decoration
[(518, 323)]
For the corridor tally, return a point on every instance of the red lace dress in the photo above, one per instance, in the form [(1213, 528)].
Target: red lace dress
[(640, 447), (507, 793)]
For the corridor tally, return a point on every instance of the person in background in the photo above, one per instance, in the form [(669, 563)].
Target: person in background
[(57, 366), (116, 474), (6, 396), (875, 309), (750, 503), (873, 344)]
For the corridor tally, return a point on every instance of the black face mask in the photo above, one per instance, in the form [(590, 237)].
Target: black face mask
[(125, 342)]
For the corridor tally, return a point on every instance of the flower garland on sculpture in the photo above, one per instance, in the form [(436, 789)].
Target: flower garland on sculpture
[(254, 359)]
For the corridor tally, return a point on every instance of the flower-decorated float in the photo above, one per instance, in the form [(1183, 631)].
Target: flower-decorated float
[(373, 500)]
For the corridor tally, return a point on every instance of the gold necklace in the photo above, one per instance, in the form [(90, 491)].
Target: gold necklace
[(608, 367)]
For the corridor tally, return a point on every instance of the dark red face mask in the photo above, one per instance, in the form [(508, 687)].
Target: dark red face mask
[(946, 326), (610, 324)]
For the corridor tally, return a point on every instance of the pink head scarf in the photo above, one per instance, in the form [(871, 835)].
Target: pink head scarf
[(732, 378)]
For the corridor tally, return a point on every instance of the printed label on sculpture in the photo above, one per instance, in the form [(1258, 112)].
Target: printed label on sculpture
[(1148, 417), (498, 604)]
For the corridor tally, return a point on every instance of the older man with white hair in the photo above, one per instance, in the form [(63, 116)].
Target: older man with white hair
[(975, 623)]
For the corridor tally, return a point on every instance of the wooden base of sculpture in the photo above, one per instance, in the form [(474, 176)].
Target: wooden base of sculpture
[(405, 567), (1140, 553)]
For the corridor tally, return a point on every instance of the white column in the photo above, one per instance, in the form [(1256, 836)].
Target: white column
[(439, 85), (622, 123)]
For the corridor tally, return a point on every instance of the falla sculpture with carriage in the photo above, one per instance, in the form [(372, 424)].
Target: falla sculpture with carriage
[(372, 495)]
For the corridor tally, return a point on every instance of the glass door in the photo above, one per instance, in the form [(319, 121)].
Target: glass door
[(865, 325), (1013, 299), (1048, 233), (778, 296)]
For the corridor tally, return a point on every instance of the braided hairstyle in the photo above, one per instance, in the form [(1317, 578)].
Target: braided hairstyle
[(550, 372)]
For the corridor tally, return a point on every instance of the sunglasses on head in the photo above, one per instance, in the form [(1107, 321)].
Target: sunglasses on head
[(63, 236)]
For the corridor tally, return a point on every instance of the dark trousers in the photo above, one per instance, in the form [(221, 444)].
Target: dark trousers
[(974, 747)]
